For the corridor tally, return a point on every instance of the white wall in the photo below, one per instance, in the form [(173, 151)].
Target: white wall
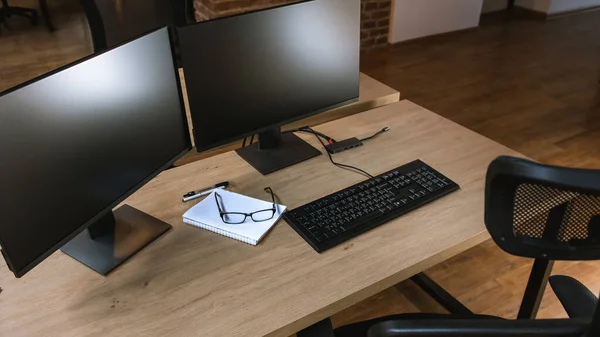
[(536, 5), (412, 19), (493, 5), (558, 6)]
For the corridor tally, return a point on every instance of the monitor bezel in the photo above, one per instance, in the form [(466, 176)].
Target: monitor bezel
[(197, 116), (185, 126)]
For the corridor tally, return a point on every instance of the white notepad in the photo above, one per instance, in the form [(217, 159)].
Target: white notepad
[(206, 215)]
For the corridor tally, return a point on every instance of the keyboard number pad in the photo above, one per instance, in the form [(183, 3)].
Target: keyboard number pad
[(429, 180)]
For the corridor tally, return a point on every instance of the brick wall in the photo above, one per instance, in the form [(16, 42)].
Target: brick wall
[(375, 15), (374, 23)]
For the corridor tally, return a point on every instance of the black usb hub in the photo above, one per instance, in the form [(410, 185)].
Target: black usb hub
[(343, 145)]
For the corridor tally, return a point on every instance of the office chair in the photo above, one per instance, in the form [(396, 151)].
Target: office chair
[(537, 211), (6, 11)]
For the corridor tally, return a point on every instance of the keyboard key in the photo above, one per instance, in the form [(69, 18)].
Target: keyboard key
[(362, 219)]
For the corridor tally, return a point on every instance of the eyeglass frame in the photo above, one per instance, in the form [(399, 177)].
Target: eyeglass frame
[(222, 212)]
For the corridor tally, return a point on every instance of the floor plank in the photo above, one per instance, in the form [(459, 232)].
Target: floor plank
[(27, 51)]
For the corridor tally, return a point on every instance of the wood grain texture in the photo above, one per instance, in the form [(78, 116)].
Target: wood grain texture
[(372, 94), (195, 282)]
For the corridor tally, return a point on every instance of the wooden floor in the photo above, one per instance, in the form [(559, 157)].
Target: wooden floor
[(27, 52), (532, 86)]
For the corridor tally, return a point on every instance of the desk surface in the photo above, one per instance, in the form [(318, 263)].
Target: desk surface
[(194, 282)]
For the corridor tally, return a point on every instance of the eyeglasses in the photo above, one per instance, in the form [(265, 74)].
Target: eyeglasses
[(236, 218)]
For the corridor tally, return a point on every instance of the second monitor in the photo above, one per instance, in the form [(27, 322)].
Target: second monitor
[(252, 73)]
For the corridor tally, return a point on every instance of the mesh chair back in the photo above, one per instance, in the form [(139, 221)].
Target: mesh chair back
[(542, 211)]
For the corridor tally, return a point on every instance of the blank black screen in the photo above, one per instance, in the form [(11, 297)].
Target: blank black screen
[(74, 143), (256, 70)]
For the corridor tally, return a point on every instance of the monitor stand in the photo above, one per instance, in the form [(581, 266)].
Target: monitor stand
[(115, 238), (275, 151)]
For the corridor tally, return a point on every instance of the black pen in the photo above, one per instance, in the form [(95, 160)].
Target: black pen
[(197, 194)]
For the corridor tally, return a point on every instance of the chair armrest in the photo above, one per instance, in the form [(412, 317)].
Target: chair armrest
[(480, 328), (578, 301)]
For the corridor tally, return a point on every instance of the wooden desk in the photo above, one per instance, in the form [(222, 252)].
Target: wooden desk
[(372, 94), (192, 282)]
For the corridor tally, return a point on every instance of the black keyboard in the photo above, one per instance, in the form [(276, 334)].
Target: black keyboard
[(342, 215)]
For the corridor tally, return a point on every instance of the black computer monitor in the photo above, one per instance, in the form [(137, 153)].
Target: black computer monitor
[(77, 142), (252, 73)]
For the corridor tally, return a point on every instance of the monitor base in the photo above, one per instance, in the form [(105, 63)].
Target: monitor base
[(115, 238), (289, 150)]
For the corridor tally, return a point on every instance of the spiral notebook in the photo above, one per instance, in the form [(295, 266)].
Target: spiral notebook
[(206, 215)]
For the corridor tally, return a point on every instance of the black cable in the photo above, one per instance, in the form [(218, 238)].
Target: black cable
[(309, 130), (244, 142), (343, 166), (327, 139), (251, 140), (376, 134)]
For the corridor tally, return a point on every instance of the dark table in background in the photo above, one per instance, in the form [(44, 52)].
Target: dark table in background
[(7, 11), (113, 22)]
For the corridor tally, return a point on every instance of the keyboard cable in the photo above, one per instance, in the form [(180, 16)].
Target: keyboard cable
[(302, 129), (329, 140), (340, 165), (306, 130)]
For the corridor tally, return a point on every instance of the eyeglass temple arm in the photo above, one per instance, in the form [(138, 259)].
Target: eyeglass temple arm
[(221, 211), (268, 189)]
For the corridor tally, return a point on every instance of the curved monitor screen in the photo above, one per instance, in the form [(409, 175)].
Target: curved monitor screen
[(254, 71), (75, 143)]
